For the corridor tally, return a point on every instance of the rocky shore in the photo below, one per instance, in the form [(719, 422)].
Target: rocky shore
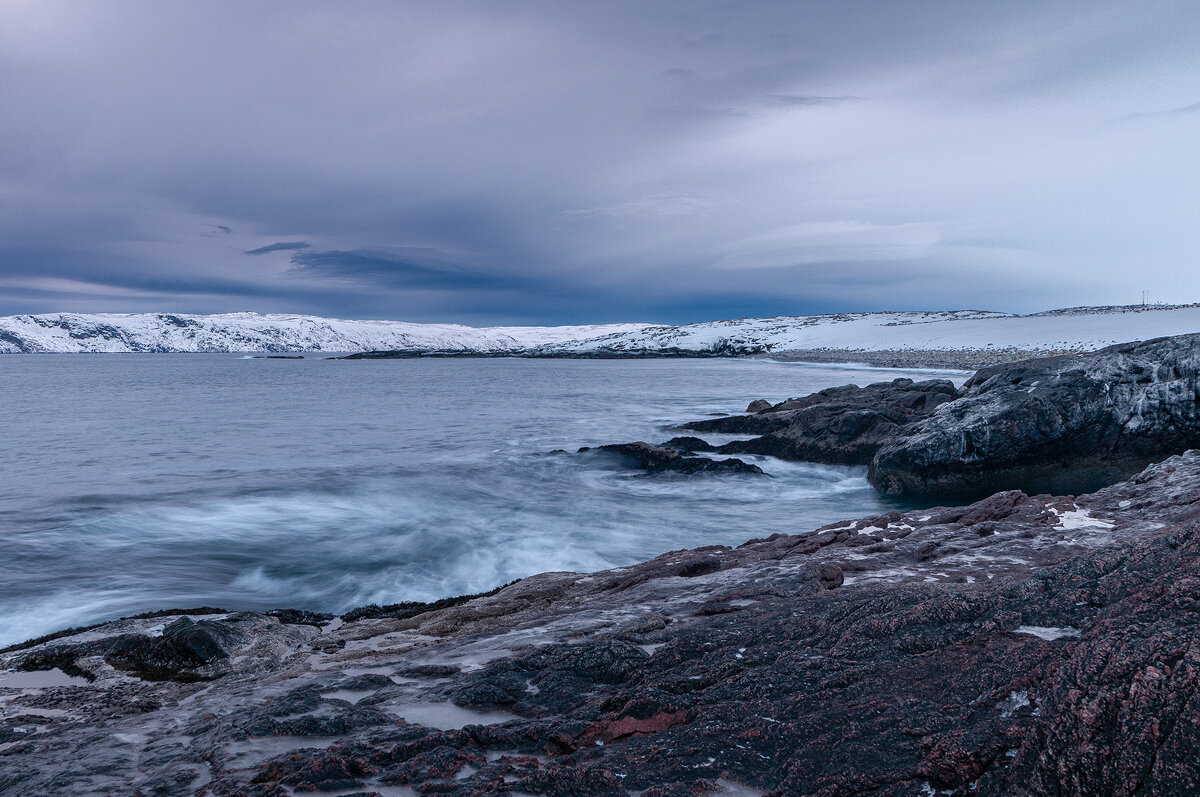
[(1022, 644), (1026, 643), (1065, 424)]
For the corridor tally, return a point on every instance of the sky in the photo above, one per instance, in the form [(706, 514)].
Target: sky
[(589, 162)]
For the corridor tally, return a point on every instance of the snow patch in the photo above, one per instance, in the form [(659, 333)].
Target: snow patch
[(1074, 519), (1048, 633), (1014, 702)]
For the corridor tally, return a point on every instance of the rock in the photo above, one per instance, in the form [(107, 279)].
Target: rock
[(839, 426), (830, 576), (660, 459), (1059, 424), (689, 445), (184, 647), (759, 405)]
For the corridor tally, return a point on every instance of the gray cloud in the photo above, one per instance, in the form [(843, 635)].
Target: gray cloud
[(523, 162), (1186, 109), (802, 100), (280, 246), (413, 268)]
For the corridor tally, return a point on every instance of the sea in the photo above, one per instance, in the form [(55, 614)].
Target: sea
[(135, 482)]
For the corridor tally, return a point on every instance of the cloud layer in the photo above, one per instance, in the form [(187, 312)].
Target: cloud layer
[(526, 162)]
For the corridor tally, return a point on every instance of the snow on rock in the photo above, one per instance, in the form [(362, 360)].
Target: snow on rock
[(1077, 518), (1048, 633), (1075, 329)]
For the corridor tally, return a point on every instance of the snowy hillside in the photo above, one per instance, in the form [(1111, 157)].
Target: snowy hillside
[(251, 332), (1076, 329)]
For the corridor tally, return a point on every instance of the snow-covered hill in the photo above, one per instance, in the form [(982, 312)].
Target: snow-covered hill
[(252, 332), (1076, 329)]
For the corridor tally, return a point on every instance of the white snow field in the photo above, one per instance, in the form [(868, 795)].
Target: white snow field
[(1075, 329)]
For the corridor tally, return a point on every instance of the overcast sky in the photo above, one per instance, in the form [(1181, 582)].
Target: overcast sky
[(555, 162)]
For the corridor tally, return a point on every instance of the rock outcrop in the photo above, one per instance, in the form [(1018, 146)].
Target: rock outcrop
[(1058, 424), (1019, 645), (840, 425), (670, 459), (1068, 424)]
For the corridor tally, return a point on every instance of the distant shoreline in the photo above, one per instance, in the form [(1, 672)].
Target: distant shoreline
[(903, 359), (937, 359)]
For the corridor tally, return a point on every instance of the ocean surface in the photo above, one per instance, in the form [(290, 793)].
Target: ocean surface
[(136, 482)]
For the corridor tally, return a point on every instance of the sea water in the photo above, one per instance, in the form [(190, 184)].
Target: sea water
[(132, 482)]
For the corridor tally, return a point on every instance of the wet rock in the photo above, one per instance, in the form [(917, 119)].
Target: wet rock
[(316, 770), (184, 647), (551, 677), (1064, 425), (661, 459), (60, 657), (759, 405), (440, 763), (830, 576), (495, 690), (1053, 654), (688, 445), (406, 609), (301, 617), (842, 425), (429, 671)]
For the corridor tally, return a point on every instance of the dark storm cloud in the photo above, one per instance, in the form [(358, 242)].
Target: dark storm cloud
[(410, 269), (280, 246), (529, 162)]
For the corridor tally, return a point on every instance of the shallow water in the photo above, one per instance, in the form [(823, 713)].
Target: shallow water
[(134, 482)]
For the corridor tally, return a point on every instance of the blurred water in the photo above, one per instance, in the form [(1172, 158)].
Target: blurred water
[(134, 482)]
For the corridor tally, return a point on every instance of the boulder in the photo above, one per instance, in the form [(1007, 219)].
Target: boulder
[(689, 445), (1064, 425)]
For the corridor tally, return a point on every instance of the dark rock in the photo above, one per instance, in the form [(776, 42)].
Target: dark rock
[(661, 459), (691, 465), (499, 690), (759, 423), (406, 609), (841, 425), (316, 770), (184, 647), (759, 405), (1064, 425), (429, 671), (830, 576), (689, 445), (61, 657), (301, 617)]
